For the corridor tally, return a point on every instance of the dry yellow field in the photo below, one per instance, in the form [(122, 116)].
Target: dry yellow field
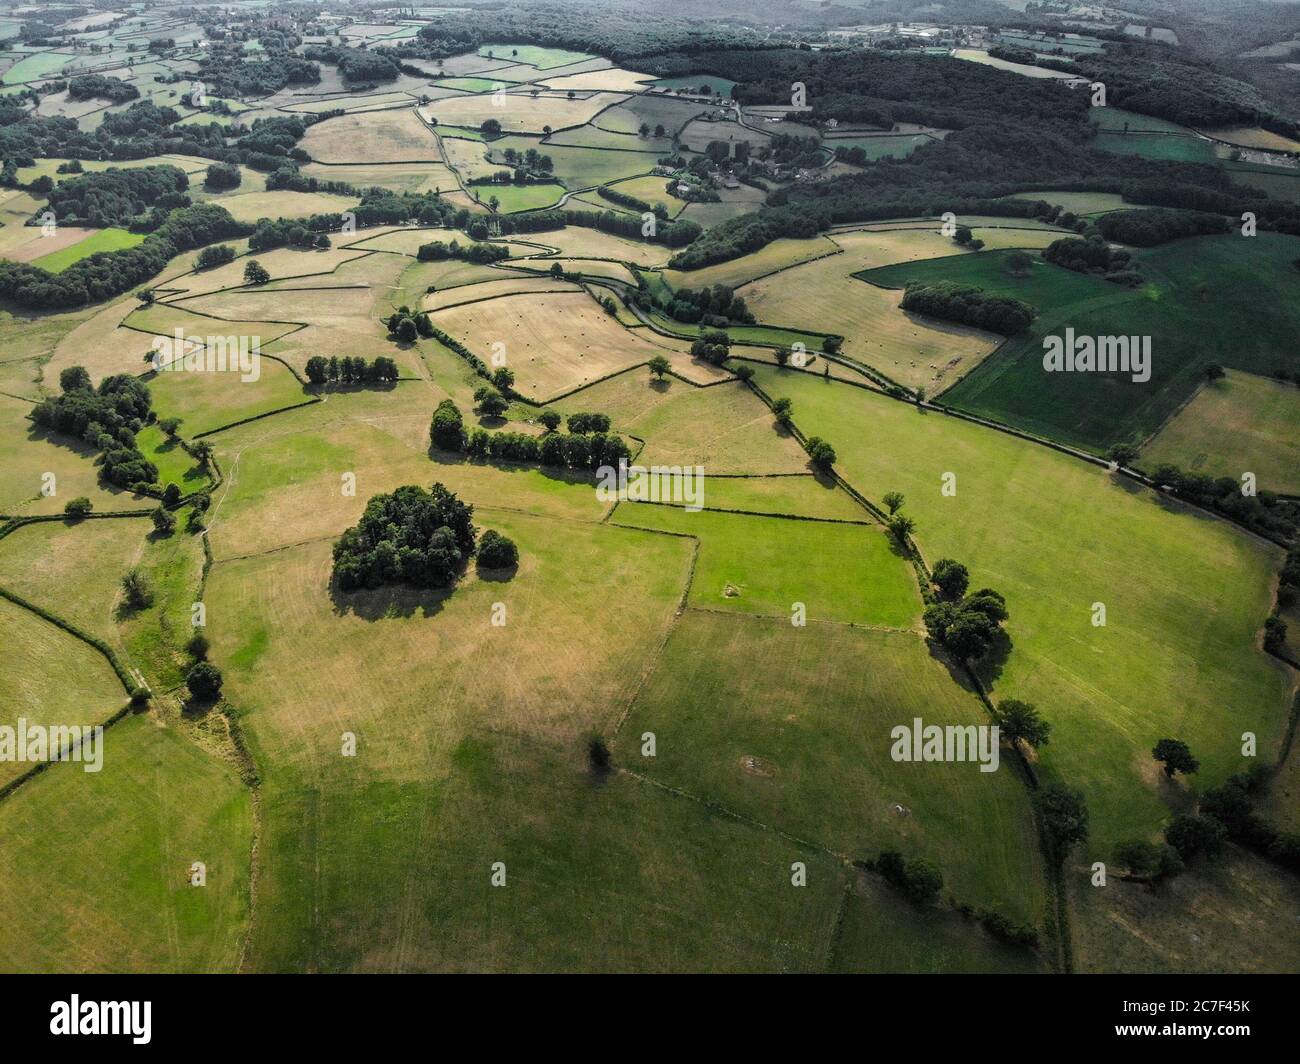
[(777, 255), (581, 243), (726, 428), (553, 341), (385, 137), (400, 177), (824, 296), (588, 267), (520, 112), (611, 79), (1254, 137)]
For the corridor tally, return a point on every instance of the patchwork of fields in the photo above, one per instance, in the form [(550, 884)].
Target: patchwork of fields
[(663, 739)]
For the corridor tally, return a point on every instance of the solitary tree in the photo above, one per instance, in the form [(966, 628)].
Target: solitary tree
[(164, 521), (1123, 454), (1176, 757), (893, 499), (1064, 815), (1019, 722), (784, 410), (204, 682), (255, 273), (550, 420), (659, 366)]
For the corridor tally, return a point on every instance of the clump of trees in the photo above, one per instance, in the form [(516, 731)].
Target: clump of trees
[(585, 423), (412, 537), (447, 429), (222, 176), (406, 325), (1147, 228), (215, 255), (968, 305), (717, 307), (118, 197), (967, 627), (916, 877), (714, 346), (99, 87), (108, 419), (558, 450), (204, 681), (348, 370), (438, 251), (496, 551), (1093, 255)]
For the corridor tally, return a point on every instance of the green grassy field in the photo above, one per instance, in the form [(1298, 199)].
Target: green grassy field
[(1163, 666), (1190, 307), (1159, 146), (881, 147), (94, 873), (103, 240), (48, 676), (534, 55), (511, 198), (857, 577), (791, 727), (1242, 423)]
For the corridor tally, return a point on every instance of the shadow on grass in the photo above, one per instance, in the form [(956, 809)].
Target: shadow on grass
[(388, 603)]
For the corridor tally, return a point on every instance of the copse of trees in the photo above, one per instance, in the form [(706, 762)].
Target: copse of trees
[(1147, 228), (116, 196), (215, 255), (99, 87), (716, 307), (1092, 255), (496, 551), (413, 537), (222, 176), (447, 429), (968, 305), (714, 346), (585, 423), (438, 251), (348, 370), (108, 419), (558, 450), (916, 877), (969, 627)]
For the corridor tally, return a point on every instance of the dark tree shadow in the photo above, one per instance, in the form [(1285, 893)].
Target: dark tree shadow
[(989, 667), (392, 602), (660, 384), (956, 672), (496, 576)]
